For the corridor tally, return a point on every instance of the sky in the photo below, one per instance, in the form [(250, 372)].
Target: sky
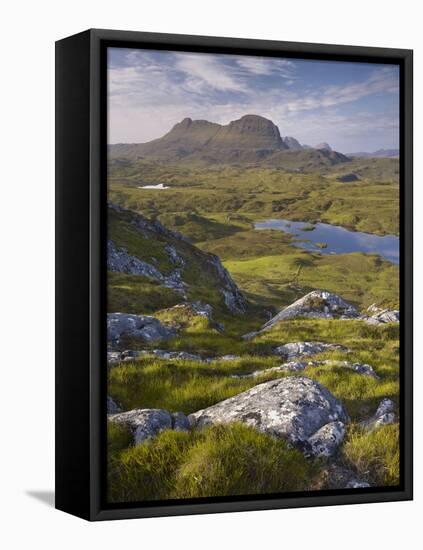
[(352, 106)]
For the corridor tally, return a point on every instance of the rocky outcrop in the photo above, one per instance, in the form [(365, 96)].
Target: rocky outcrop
[(147, 423), (182, 257), (318, 304), (298, 366), (292, 350), (112, 407), (118, 260), (293, 408), (385, 414), (142, 327), (117, 357), (378, 316), (232, 296)]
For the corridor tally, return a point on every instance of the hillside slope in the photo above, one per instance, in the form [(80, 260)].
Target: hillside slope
[(151, 267)]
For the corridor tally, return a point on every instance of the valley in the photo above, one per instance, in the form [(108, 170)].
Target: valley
[(195, 295)]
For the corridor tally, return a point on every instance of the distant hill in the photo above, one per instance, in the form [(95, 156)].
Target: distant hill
[(292, 143), (323, 146), (306, 160), (251, 140), (380, 153)]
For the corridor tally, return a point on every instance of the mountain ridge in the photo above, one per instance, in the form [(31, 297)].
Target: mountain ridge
[(251, 139)]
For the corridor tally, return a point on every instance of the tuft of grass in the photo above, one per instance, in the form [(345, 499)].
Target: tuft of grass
[(374, 455), (137, 294), (216, 461), (118, 437)]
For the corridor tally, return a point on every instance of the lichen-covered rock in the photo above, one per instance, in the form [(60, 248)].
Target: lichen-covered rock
[(112, 407), (385, 414), (292, 408), (173, 355), (147, 423), (293, 350), (298, 366), (142, 327), (119, 261), (326, 441), (378, 316), (232, 296), (174, 257), (318, 304)]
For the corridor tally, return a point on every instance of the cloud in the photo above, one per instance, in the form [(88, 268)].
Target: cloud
[(265, 66), (149, 91), (205, 71)]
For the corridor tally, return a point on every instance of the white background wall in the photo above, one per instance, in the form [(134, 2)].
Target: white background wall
[(28, 32)]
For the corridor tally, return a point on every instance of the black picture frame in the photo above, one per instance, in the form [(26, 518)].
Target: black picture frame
[(81, 171)]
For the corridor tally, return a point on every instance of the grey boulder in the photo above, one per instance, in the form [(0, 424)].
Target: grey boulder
[(318, 304), (293, 350), (385, 414), (326, 440), (378, 316), (292, 408), (143, 327), (147, 423)]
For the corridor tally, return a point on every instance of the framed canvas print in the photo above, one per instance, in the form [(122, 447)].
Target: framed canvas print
[(234, 274)]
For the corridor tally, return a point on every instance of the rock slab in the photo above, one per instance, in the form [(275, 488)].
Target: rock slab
[(294, 408), (147, 423)]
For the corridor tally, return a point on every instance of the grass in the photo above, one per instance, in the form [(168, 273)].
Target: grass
[(374, 455), (216, 207), (215, 461), (277, 280), (138, 295), (196, 192)]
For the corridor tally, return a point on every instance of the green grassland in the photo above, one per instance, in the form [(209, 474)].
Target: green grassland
[(190, 385), (254, 193), (215, 207)]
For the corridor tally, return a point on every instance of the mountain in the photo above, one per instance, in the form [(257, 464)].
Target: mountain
[(292, 143), (325, 146), (380, 153), (250, 140), (151, 267), (306, 160)]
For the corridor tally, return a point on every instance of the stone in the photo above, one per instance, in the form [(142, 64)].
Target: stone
[(291, 408), (378, 316), (172, 355), (232, 296), (228, 357), (147, 423), (174, 257), (293, 350), (357, 484), (326, 441), (297, 366), (316, 304), (119, 261), (112, 407), (143, 327), (385, 414)]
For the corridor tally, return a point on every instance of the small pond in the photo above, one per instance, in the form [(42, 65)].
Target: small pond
[(333, 239)]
